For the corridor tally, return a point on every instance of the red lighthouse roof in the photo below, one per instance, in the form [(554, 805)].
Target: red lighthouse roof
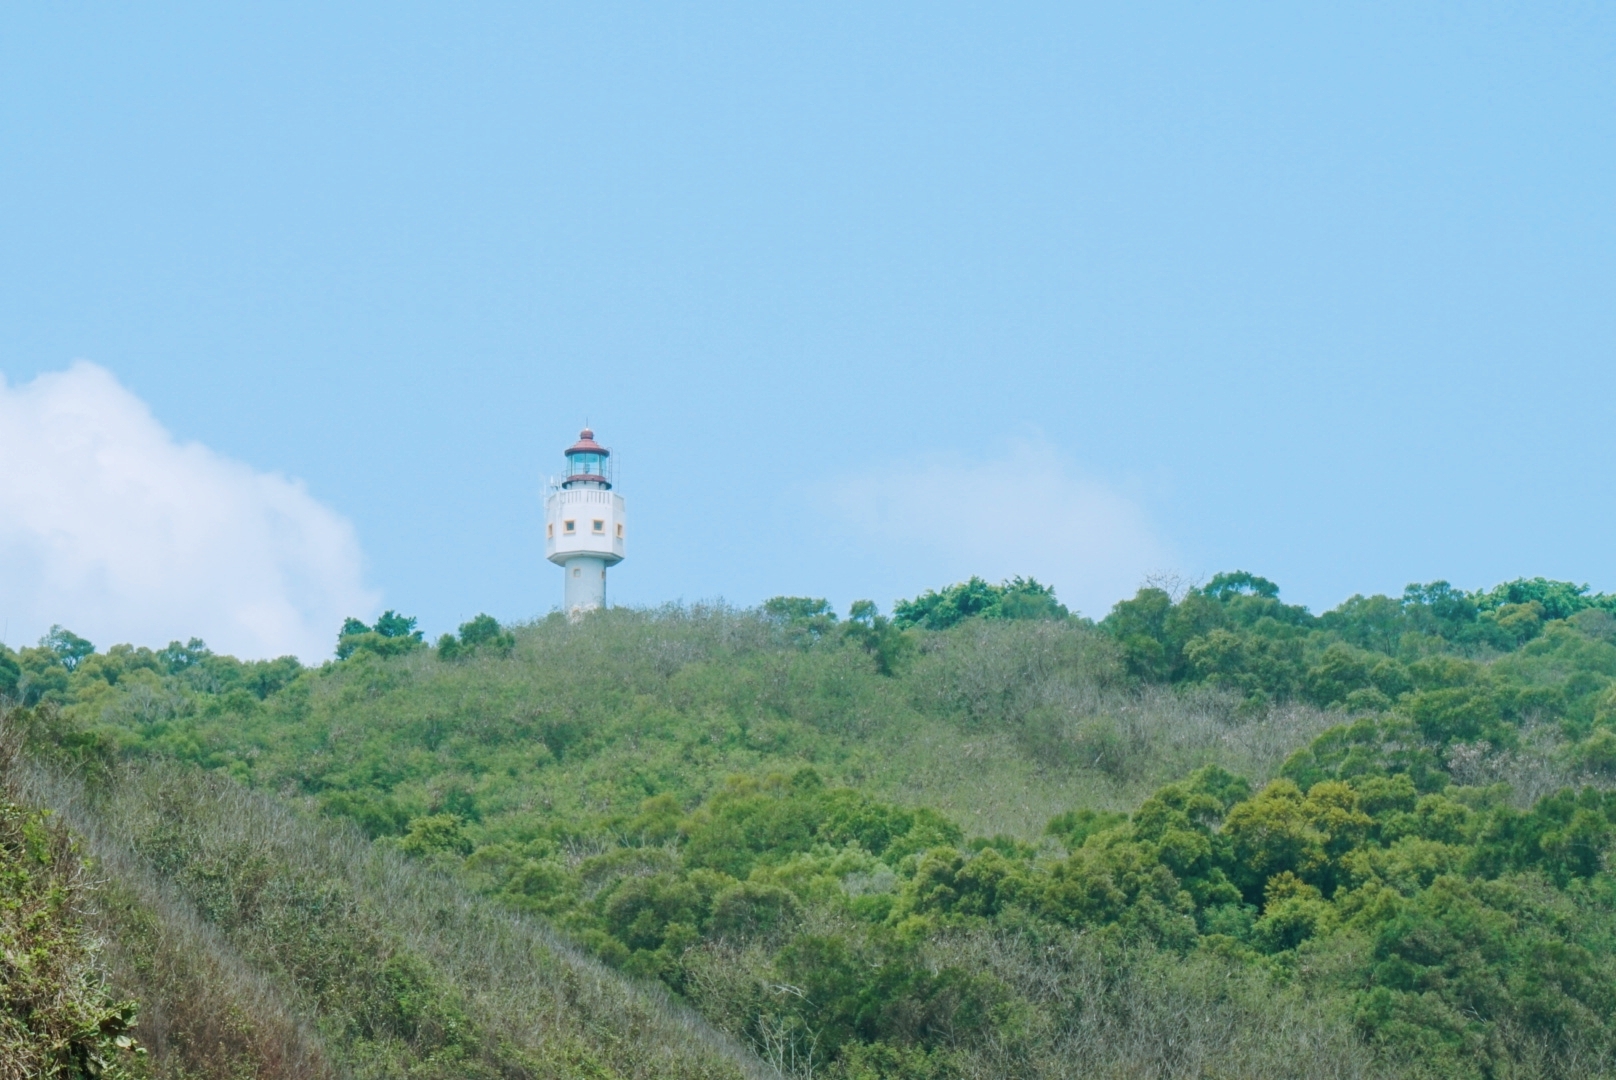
[(586, 444)]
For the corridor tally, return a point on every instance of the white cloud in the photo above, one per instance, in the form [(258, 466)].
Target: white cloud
[(113, 529), (1029, 512)]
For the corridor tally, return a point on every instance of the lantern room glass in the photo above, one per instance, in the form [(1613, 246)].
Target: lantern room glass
[(584, 465)]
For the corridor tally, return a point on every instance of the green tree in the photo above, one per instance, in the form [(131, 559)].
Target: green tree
[(176, 658), (1264, 663), (393, 634), (877, 635), (436, 833), (1227, 586), (1555, 599), (68, 646), (1017, 598), (393, 625), (10, 672), (480, 635), (1140, 627), (805, 619), (792, 609), (1342, 670)]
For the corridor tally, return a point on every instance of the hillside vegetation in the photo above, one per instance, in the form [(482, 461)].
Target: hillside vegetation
[(1212, 835), (260, 944), (58, 1017)]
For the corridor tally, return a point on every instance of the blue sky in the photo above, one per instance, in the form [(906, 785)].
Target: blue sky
[(867, 298)]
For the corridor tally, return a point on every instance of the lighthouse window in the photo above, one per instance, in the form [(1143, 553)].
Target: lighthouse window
[(620, 530), (600, 527), (549, 530), (569, 526)]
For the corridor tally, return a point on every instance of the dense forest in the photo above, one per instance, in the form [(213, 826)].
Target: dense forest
[(1210, 835)]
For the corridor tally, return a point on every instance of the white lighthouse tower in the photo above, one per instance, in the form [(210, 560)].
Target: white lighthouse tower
[(584, 524)]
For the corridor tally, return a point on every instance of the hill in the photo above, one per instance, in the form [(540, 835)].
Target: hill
[(1214, 834)]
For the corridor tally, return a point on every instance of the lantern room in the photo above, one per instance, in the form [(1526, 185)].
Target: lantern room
[(588, 463)]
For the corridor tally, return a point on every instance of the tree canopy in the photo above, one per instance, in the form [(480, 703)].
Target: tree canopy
[(1018, 598)]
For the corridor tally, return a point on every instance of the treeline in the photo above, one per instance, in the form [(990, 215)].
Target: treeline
[(1419, 881), (1235, 632)]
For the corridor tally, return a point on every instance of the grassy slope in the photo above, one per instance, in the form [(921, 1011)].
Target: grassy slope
[(57, 1015), (1002, 725), (264, 945)]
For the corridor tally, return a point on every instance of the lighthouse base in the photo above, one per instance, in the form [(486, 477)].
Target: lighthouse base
[(585, 585)]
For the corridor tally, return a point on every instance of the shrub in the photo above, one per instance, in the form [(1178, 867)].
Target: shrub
[(57, 1015)]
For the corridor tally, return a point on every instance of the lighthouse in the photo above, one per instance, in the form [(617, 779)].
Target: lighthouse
[(584, 524)]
